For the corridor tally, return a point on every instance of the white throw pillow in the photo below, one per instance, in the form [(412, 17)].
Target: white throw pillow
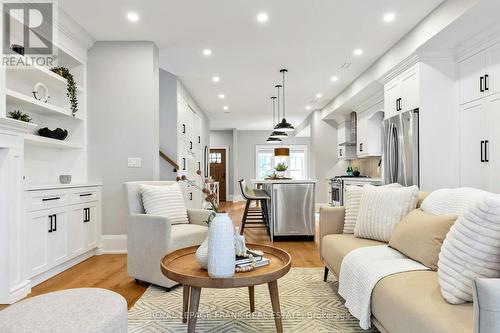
[(455, 201), (471, 249), (352, 201), (382, 208), (165, 200)]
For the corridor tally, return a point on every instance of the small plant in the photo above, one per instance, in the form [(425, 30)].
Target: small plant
[(71, 88), (281, 167), (18, 115), (210, 196)]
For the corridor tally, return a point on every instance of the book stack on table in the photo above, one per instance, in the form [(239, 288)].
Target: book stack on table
[(260, 260)]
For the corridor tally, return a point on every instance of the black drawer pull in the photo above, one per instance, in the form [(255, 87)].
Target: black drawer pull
[(51, 221), (51, 199), (86, 194), (55, 222)]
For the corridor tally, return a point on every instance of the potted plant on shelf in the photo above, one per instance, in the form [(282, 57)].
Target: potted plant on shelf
[(280, 170), (71, 87), (217, 252), (18, 115)]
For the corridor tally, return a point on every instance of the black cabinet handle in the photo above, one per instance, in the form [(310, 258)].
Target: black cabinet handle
[(482, 147), (183, 163), (486, 77), (86, 215), (199, 166), (51, 199), (360, 147), (191, 196), (86, 194), (190, 144), (340, 152), (50, 219), (481, 80), (486, 151), (199, 139), (183, 128)]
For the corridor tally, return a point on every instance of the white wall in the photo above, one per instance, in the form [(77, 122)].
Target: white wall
[(168, 122), (123, 105)]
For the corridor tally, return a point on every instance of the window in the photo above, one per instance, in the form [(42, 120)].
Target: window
[(215, 158), (265, 161)]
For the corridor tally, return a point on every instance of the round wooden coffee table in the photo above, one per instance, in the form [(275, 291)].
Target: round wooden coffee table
[(181, 266)]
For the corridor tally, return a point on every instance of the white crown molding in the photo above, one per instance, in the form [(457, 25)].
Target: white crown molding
[(477, 43), (371, 101), (74, 31), (400, 68)]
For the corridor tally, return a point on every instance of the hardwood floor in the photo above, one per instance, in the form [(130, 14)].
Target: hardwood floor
[(110, 271)]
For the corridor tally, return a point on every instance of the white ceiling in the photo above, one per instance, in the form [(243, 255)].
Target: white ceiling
[(312, 38)]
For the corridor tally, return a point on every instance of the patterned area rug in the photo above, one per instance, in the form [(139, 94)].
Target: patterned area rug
[(307, 303)]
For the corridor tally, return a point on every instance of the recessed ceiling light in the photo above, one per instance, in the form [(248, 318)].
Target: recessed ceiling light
[(207, 52), (222, 96), (319, 95), (216, 79), (389, 17), (225, 107), (308, 107), (262, 17), (358, 52), (132, 16), (334, 78)]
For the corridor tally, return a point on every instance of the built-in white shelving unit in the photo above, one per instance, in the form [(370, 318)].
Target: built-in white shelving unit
[(37, 140)]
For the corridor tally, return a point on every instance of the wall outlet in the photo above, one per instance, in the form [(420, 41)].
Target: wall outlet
[(134, 162)]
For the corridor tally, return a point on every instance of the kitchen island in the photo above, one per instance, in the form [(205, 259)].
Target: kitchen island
[(291, 206)]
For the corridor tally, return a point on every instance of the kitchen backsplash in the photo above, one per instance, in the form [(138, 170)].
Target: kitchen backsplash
[(368, 166)]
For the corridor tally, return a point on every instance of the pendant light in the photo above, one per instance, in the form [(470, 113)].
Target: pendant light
[(277, 134), (282, 152), (271, 138), (284, 126)]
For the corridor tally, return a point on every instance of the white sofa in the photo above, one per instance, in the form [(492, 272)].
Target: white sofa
[(150, 237)]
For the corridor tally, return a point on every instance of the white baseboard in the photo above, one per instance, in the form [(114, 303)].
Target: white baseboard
[(113, 244)]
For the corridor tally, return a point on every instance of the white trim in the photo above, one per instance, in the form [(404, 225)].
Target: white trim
[(113, 244), (226, 148)]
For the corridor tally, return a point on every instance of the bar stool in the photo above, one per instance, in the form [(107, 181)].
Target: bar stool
[(254, 215)]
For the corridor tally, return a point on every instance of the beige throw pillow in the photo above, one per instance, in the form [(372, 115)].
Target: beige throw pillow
[(381, 209), (420, 236), (165, 200)]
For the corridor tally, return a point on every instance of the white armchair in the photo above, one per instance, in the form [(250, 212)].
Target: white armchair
[(150, 237)]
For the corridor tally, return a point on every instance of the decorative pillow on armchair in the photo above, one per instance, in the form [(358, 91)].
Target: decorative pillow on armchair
[(382, 208), (471, 250), (165, 200)]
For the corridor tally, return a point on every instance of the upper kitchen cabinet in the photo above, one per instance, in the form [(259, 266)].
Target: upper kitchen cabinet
[(369, 131), (480, 74), (346, 138), (402, 93)]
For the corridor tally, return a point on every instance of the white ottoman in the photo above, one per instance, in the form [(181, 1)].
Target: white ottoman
[(83, 310)]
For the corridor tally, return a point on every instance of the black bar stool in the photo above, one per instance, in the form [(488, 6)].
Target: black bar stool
[(254, 215)]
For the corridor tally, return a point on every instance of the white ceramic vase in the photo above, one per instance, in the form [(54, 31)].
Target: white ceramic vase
[(202, 253), (221, 251)]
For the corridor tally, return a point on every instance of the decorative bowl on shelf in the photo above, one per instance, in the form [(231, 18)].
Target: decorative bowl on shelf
[(65, 179), (58, 133)]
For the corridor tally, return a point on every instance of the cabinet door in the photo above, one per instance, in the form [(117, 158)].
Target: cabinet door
[(361, 133), (38, 229), (75, 230), (473, 169), (392, 92), (471, 70), (341, 133), (410, 90), (58, 238), (90, 223), (492, 58), (341, 152), (493, 146)]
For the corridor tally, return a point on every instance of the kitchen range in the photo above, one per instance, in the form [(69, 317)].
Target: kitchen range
[(338, 185)]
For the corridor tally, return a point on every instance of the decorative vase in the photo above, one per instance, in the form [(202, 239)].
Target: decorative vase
[(221, 251), (202, 253)]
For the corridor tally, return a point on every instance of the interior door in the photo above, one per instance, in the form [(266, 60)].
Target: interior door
[(218, 170)]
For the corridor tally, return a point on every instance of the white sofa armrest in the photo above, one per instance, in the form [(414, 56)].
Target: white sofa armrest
[(199, 216), (148, 238), (486, 293)]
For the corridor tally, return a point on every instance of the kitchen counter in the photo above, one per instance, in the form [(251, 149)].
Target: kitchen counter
[(291, 206)]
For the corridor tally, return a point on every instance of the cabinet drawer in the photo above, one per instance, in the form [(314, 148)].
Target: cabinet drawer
[(38, 200), (85, 194)]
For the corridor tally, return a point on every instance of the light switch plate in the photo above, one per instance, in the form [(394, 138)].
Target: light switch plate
[(134, 162)]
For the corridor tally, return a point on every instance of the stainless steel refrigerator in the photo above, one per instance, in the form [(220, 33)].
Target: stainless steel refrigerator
[(400, 149)]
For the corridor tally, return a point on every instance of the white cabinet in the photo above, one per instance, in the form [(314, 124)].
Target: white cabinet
[(369, 132), (480, 142), (402, 93), (480, 74), (61, 227)]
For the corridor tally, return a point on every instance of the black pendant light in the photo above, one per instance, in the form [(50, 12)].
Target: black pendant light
[(277, 134), (271, 138), (284, 126)]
